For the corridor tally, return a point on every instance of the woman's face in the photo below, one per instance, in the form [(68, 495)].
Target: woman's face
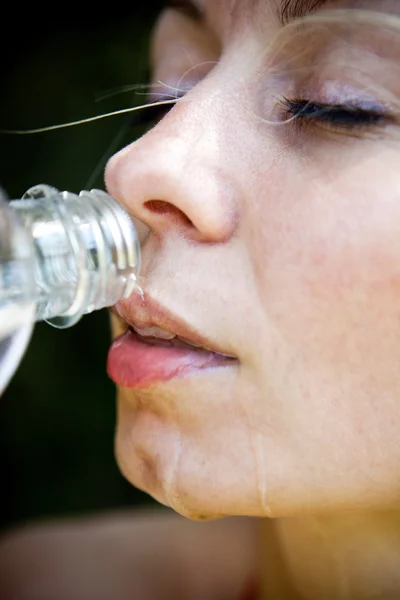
[(274, 240)]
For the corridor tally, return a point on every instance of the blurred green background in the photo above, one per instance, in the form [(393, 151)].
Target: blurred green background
[(57, 416)]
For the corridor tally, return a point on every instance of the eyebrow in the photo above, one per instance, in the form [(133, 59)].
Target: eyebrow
[(295, 9), (289, 11)]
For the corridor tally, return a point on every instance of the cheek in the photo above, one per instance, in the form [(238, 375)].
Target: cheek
[(333, 257), (326, 259)]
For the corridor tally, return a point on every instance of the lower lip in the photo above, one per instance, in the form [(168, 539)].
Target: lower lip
[(135, 363)]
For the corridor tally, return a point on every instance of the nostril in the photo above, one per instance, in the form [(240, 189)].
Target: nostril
[(174, 214)]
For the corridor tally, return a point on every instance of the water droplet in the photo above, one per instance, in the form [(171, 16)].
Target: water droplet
[(138, 290)]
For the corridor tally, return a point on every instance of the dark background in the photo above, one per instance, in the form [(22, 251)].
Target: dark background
[(57, 416)]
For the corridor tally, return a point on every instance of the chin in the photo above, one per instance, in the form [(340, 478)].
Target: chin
[(190, 449)]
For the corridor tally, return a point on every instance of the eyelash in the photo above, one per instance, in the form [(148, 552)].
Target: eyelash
[(333, 116)]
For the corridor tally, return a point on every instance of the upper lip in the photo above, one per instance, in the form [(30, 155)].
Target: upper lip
[(141, 312)]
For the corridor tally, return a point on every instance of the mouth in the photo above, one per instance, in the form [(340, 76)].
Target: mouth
[(157, 347)]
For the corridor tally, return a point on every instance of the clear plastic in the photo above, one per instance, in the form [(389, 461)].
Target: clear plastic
[(62, 255), (17, 305)]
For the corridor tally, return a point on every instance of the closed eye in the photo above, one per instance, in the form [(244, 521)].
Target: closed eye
[(339, 116)]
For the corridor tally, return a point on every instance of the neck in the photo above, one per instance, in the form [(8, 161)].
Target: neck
[(351, 556)]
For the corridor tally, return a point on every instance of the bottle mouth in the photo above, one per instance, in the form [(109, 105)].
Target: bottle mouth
[(87, 252)]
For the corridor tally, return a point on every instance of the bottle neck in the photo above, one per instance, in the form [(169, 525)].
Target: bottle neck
[(86, 251)]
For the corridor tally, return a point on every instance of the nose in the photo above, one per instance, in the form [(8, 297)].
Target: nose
[(177, 176)]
